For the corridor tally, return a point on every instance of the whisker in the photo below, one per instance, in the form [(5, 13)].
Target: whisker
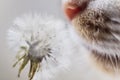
[(116, 36), (112, 62)]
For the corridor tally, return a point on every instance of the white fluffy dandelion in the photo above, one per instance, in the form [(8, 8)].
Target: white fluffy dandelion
[(44, 42)]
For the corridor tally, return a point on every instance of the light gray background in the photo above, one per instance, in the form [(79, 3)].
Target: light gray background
[(9, 10)]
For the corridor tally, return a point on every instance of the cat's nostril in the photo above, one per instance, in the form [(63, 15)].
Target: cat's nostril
[(72, 9)]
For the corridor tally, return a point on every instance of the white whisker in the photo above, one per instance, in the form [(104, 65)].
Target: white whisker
[(116, 36)]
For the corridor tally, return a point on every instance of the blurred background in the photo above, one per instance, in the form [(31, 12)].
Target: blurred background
[(9, 10)]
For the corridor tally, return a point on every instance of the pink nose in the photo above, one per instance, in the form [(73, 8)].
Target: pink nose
[(72, 9)]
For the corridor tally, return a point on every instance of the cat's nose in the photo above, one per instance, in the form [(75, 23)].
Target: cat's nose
[(71, 9)]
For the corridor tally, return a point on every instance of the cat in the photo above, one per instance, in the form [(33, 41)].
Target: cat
[(96, 24)]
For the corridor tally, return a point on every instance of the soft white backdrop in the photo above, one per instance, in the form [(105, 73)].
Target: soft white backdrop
[(9, 10)]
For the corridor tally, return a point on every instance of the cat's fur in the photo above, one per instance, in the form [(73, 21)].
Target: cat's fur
[(98, 28)]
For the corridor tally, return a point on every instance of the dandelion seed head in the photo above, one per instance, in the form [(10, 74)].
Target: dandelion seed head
[(44, 37)]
